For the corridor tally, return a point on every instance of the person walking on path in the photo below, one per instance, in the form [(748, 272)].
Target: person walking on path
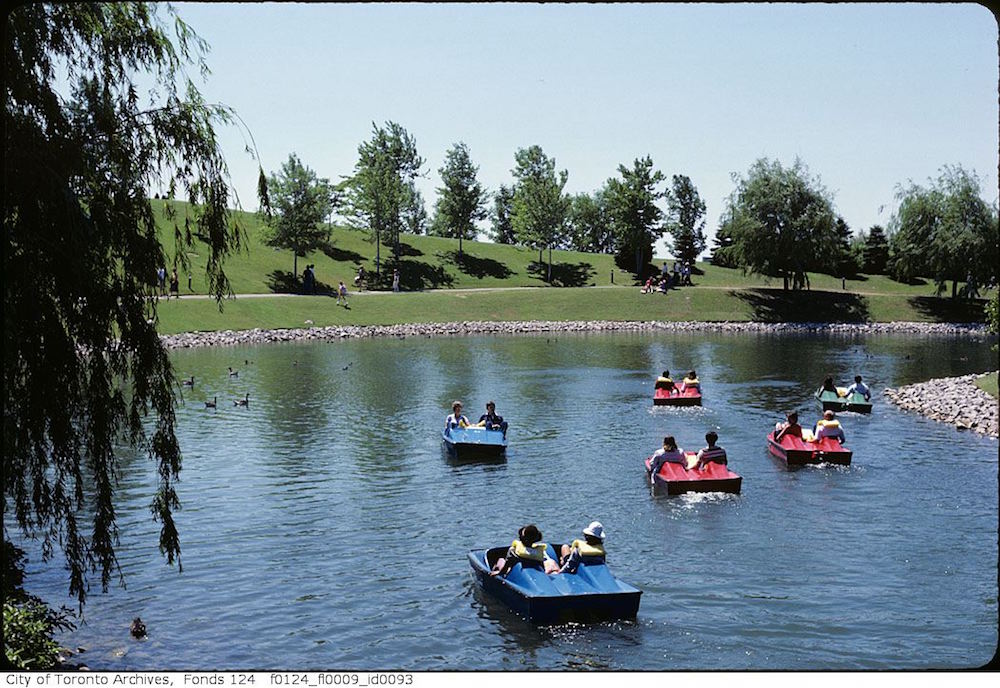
[(395, 280), (161, 280), (342, 294), (175, 287)]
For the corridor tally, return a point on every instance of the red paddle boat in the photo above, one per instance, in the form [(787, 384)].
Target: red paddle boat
[(714, 477), (675, 397), (798, 451)]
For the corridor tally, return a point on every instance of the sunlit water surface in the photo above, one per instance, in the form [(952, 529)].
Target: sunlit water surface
[(322, 527)]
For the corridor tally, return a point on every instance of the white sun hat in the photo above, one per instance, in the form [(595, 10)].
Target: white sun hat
[(595, 529)]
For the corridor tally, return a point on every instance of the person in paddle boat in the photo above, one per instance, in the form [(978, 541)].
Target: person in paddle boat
[(529, 551), (790, 427), (491, 421), (829, 426), (828, 386), (590, 550), (711, 453), (691, 381), (664, 382), (859, 387), (668, 453), (456, 419)]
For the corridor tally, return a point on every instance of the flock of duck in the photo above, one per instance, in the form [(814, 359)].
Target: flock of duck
[(214, 403)]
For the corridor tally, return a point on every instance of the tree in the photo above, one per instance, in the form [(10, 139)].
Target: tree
[(685, 219), (946, 231), (381, 189), (875, 253), (502, 230), (461, 200), (589, 226), (721, 249), (781, 221), (414, 212), (538, 214), (84, 368), (844, 262), (635, 219), (301, 202)]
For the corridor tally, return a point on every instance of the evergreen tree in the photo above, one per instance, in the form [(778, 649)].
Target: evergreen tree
[(461, 200), (875, 254), (635, 218)]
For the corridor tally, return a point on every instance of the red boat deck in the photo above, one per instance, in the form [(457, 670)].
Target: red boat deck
[(713, 478), (796, 452), (689, 397)]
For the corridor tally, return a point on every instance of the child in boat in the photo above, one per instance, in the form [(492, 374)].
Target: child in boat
[(690, 381), (828, 386), (456, 419), (829, 426), (590, 550), (664, 381), (791, 427), (668, 453), (491, 421), (859, 387), (527, 550), (712, 452)]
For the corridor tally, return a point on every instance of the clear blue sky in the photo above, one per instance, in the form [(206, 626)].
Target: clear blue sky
[(870, 96)]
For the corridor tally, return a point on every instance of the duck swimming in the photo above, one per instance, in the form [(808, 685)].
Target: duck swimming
[(138, 628), (212, 403), (233, 373), (188, 382), (245, 401)]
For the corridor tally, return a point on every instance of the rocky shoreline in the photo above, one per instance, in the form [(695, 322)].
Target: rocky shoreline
[(335, 332), (955, 400)]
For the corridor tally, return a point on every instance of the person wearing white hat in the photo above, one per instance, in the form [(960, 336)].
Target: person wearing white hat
[(590, 550)]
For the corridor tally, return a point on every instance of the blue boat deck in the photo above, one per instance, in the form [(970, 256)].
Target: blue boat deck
[(474, 441)]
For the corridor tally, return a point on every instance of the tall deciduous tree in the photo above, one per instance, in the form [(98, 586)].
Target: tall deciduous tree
[(301, 201), (589, 225), (84, 369), (635, 218), (945, 231), (781, 221), (381, 190), (461, 199), (539, 209), (685, 219), (502, 229)]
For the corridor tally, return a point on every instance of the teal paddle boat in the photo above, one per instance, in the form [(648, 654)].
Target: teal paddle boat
[(840, 401)]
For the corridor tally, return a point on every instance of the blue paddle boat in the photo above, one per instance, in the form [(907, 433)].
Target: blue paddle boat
[(590, 594), (474, 442)]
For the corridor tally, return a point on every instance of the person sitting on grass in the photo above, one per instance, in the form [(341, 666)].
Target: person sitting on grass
[(712, 453), (791, 427), (691, 381), (859, 387), (528, 550), (590, 550), (829, 426), (647, 288), (668, 453)]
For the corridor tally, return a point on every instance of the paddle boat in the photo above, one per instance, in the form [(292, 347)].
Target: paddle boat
[(677, 479), (474, 442), (840, 401), (675, 397), (798, 451), (590, 594)]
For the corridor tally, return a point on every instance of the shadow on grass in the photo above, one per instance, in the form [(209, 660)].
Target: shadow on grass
[(476, 266), (413, 276), (284, 282), (407, 250), (778, 305), (942, 309), (563, 274), (334, 253)]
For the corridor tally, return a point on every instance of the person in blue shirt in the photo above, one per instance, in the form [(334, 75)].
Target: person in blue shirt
[(491, 421)]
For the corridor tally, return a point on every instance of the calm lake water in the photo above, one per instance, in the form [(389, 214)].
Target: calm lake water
[(323, 527)]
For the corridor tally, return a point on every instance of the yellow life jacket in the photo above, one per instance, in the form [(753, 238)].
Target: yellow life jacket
[(534, 553), (588, 550), (823, 423), (689, 381), (664, 379)]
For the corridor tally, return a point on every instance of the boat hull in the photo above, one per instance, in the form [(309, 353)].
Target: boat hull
[(591, 594), (675, 479), (474, 443), (796, 452), (855, 403), (663, 397)]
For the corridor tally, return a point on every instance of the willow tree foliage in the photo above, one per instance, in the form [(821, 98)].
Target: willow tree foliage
[(461, 198), (685, 220), (781, 221), (380, 192), (300, 203), (539, 209), (945, 231), (98, 111), (636, 220)]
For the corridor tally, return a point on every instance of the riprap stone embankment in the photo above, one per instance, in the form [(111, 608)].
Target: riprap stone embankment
[(955, 400)]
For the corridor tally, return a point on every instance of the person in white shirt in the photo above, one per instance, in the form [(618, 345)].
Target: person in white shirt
[(860, 388), (456, 419)]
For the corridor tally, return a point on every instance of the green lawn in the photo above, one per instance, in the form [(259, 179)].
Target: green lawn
[(988, 384)]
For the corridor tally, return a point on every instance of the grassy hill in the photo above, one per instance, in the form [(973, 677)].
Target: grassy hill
[(434, 281)]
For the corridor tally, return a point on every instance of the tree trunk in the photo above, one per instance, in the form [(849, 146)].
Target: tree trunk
[(550, 264), (295, 266), (460, 246), (377, 256), (784, 279), (954, 288)]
